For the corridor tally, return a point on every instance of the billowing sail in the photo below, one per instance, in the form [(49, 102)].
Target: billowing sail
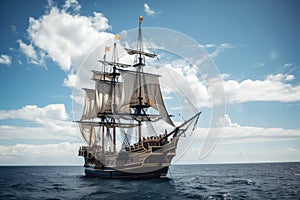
[(149, 91), (90, 110), (107, 96), (88, 133)]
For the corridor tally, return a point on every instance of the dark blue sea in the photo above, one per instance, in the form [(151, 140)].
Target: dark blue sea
[(221, 181)]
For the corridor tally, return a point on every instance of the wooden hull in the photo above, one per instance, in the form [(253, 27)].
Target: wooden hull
[(116, 174), (142, 164)]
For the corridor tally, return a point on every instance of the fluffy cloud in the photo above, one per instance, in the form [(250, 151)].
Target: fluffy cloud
[(64, 37), (148, 10), (55, 154), (49, 122), (72, 4), (5, 59), (184, 82), (273, 88), (289, 77), (67, 39), (232, 132), (236, 141), (63, 131), (34, 113), (225, 122)]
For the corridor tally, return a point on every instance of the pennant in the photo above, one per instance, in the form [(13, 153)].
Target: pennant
[(118, 37), (107, 49)]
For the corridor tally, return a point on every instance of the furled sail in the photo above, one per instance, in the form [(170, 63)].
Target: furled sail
[(104, 62), (133, 51), (90, 110), (101, 75), (149, 90), (88, 133)]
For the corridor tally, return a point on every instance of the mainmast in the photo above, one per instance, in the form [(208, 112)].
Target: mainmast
[(114, 75), (102, 118), (140, 65), (143, 84)]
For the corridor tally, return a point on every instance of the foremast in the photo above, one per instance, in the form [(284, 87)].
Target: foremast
[(102, 102)]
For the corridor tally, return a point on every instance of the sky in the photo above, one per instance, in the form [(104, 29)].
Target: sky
[(255, 46)]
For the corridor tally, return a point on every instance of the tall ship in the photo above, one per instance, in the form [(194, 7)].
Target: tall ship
[(127, 100)]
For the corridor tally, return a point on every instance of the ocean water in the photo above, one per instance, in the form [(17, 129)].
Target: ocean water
[(222, 181)]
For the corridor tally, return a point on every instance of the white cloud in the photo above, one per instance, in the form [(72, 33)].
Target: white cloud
[(241, 154), (148, 10), (249, 134), (287, 64), (31, 53), (234, 137), (58, 130), (232, 132), (71, 80), (54, 154), (289, 77), (225, 122), (226, 46), (49, 122), (72, 4), (244, 144), (28, 50), (99, 22), (208, 46), (34, 113), (273, 88), (5, 59), (67, 39), (183, 80), (215, 49), (64, 37)]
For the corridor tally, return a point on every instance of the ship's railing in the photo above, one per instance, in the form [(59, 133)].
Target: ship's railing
[(148, 142)]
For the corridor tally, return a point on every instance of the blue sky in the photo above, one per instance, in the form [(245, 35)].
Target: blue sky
[(254, 44)]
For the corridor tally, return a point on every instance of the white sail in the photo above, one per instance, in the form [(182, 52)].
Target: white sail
[(88, 133), (107, 95), (150, 92), (89, 111), (97, 76)]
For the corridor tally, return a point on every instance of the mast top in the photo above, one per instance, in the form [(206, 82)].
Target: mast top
[(141, 18)]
